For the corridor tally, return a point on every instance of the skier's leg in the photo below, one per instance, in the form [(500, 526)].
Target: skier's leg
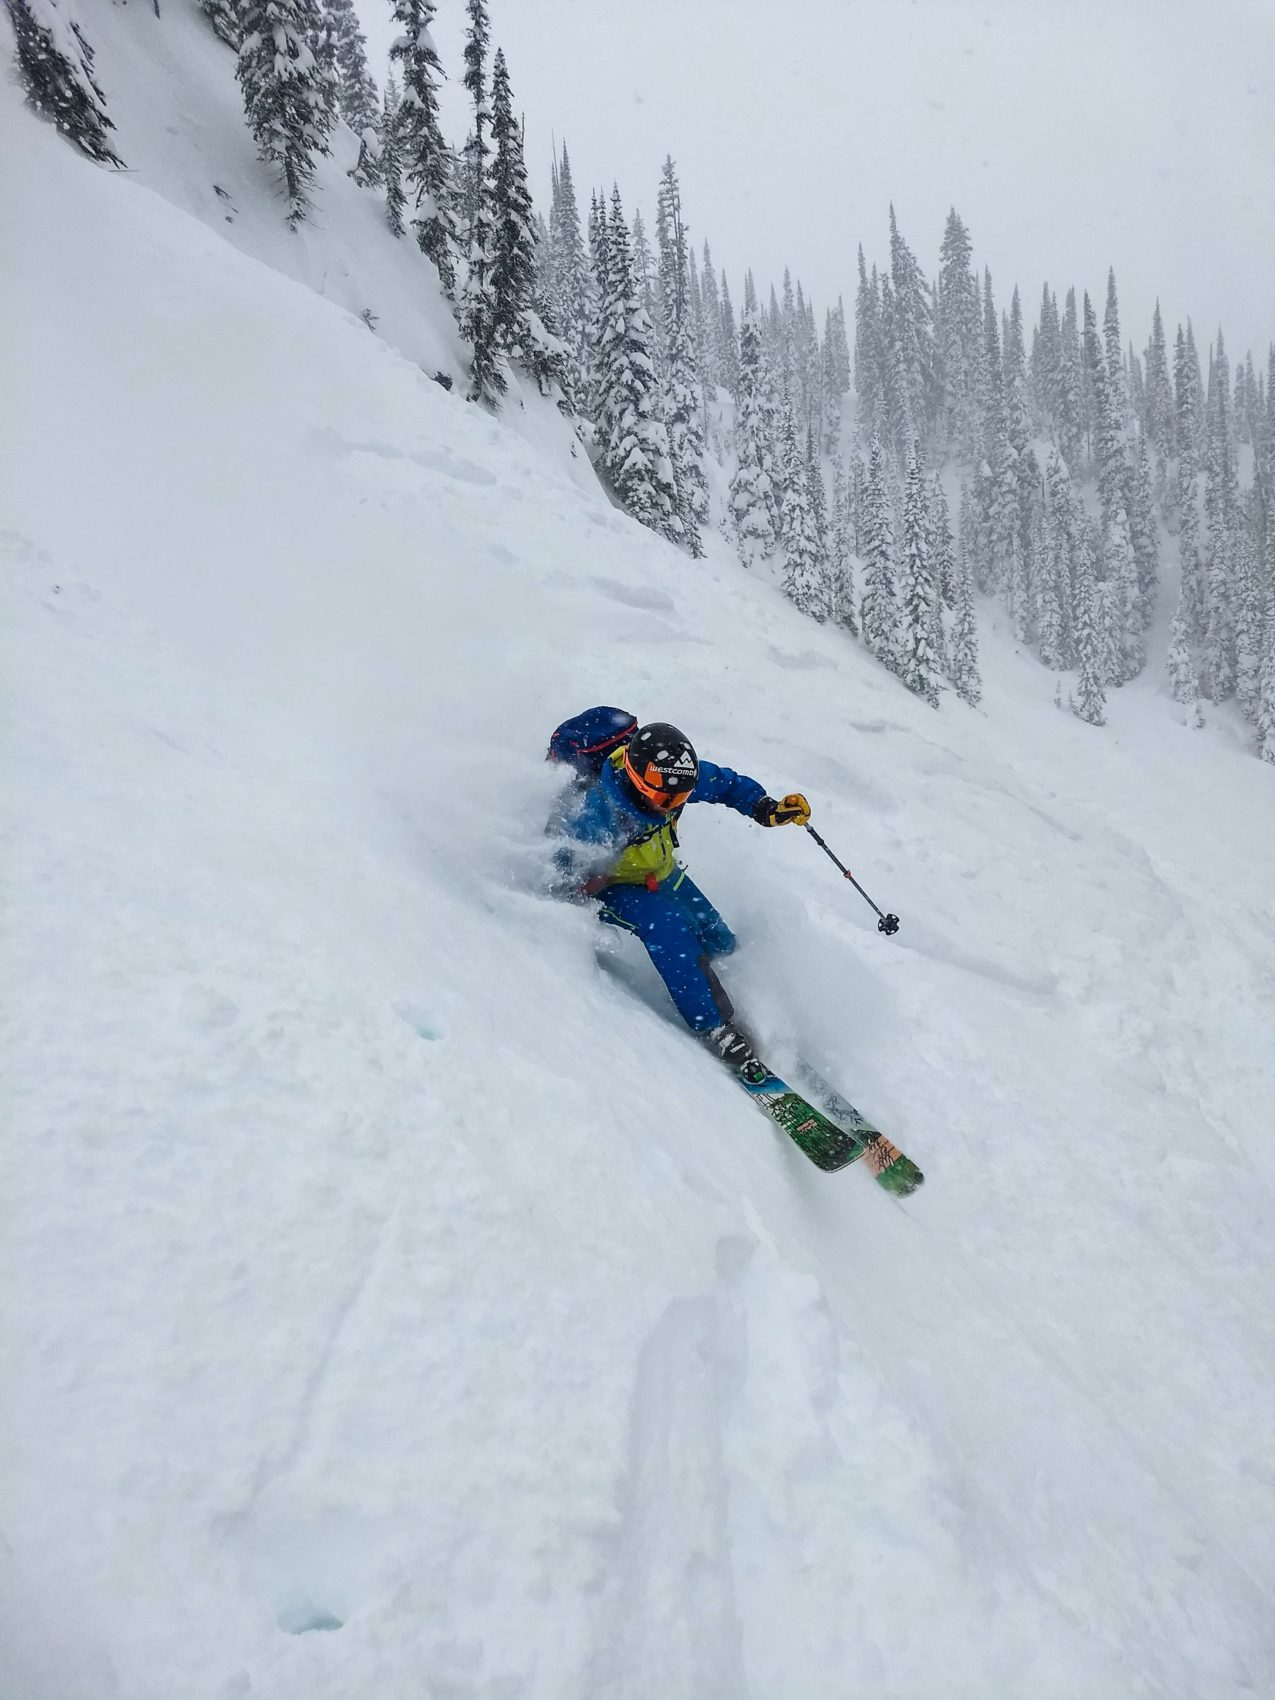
[(711, 930), (675, 948)]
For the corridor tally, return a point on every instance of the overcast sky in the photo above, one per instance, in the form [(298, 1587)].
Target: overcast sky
[(1069, 136)]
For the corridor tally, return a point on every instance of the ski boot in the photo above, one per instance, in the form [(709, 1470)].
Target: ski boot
[(735, 1048)]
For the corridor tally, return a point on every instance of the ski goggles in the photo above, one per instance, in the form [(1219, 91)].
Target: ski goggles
[(654, 786)]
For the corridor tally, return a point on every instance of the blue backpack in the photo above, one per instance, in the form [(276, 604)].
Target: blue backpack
[(586, 740)]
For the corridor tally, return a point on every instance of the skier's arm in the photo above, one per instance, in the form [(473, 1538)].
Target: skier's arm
[(723, 785), (738, 791)]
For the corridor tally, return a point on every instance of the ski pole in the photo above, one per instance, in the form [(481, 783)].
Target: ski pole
[(885, 923)]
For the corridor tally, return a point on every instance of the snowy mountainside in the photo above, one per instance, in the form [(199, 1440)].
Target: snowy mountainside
[(394, 1303), (180, 128)]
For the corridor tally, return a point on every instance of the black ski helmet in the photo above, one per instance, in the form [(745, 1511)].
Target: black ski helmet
[(661, 765)]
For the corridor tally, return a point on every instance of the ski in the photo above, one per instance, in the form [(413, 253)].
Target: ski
[(831, 1132), (893, 1171), (828, 1146)]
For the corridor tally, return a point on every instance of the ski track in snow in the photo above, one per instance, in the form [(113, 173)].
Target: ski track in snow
[(397, 1302)]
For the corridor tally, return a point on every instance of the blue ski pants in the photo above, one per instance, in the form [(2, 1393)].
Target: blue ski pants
[(681, 931)]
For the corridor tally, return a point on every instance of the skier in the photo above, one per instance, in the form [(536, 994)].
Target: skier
[(619, 842)]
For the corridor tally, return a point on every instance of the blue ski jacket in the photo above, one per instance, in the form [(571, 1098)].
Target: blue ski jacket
[(612, 837)]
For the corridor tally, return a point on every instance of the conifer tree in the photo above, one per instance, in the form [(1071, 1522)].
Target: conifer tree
[(477, 309), (425, 157), (286, 95), (1054, 587), (644, 273), (1266, 702), (55, 66), (1071, 428), (918, 666), (1046, 367), (513, 262), (1114, 351), (391, 160), (1250, 609), (356, 98), (963, 659), (681, 406), (1142, 531), (1159, 399), (1111, 469), (730, 341), (368, 170), (958, 330), (597, 304), (223, 15), (709, 351), (1188, 391), (879, 612), (942, 554), (913, 330), (570, 287), (1128, 624), (750, 496), (472, 176), (1180, 666), (1090, 703), (633, 438), (840, 598), (869, 353), (1220, 505), (803, 568)]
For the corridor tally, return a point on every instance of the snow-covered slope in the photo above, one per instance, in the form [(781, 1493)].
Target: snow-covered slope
[(394, 1304)]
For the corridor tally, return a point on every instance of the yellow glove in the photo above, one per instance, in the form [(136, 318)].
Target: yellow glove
[(792, 810)]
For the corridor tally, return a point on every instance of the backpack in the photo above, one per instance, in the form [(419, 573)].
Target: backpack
[(586, 740)]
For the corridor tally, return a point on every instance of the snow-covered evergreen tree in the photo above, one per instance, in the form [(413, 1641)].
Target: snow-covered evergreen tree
[(913, 331), (471, 176), (918, 664), (1070, 423), (286, 94), (425, 157), (957, 332), (1220, 512), (1128, 626), (681, 389), (223, 15), (513, 262), (1160, 414), (942, 552), (390, 165), (840, 595), (1114, 351), (1140, 507), (750, 493), (1266, 701), (55, 66), (963, 653), (869, 352), (570, 282), (368, 170), (1055, 597), (477, 308), (1250, 622), (1111, 468), (1090, 703), (631, 433), (357, 99), (879, 612), (803, 564)]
